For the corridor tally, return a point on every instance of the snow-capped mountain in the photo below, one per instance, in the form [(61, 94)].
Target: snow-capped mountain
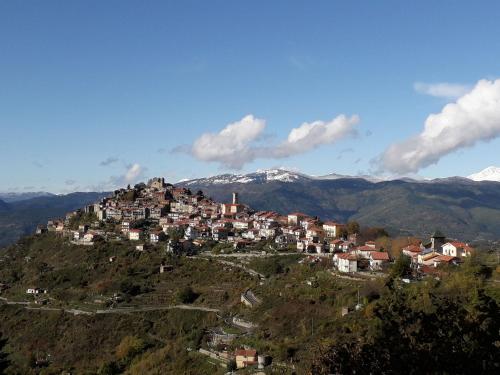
[(268, 175), (488, 174), (261, 176)]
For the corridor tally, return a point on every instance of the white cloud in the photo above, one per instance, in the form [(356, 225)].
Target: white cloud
[(232, 146), (309, 136), (235, 145), (473, 117), (442, 90), (133, 174)]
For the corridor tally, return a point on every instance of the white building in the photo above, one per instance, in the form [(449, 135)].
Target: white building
[(134, 234), (456, 249), (346, 262)]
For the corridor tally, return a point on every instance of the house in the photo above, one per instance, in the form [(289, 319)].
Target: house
[(445, 259), (457, 249), (378, 259), (191, 233), (89, 237), (83, 228), (336, 245), (134, 234), (249, 299), (36, 291), (332, 229), (346, 262), (251, 234), (41, 229), (157, 183), (295, 218), (125, 227), (157, 236), (315, 247), (284, 240), (365, 251), (426, 258), (371, 244), (315, 233), (232, 208), (219, 234), (267, 233), (245, 358)]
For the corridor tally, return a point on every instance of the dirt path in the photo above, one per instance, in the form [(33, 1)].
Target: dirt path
[(118, 310)]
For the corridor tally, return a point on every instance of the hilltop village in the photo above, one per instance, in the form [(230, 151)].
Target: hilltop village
[(186, 222)]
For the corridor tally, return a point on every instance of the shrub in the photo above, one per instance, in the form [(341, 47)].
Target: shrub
[(187, 295), (129, 347)]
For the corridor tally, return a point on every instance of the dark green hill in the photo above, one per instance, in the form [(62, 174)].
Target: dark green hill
[(461, 208), (3, 206), (20, 218)]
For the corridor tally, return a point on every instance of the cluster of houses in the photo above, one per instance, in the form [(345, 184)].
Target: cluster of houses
[(437, 251), (150, 213), (356, 258), (158, 212)]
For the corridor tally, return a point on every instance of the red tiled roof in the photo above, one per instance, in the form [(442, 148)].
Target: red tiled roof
[(444, 258), (413, 248), (379, 255), (346, 256), (365, 248), (245, 352)]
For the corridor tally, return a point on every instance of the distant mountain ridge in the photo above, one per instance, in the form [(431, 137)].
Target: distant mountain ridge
[(269, 175), (21, 217), (16, 197)]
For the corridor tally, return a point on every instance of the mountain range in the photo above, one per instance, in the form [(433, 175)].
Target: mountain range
[(16, 197), (464, 208)]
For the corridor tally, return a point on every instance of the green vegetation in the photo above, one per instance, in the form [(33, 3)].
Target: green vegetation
[(274, 265), (424, 329), (401, 267), (133, 326), (187, 295)]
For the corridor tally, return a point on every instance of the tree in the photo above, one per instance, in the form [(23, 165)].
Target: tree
[(402, 266), (353, 227), (4, 358), (417, 331), (187, 295), (129, 347)]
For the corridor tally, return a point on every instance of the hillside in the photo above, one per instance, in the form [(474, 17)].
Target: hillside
[(462, 208), (22, 217), (3, 206)]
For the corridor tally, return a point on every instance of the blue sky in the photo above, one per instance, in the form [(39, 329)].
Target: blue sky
[(84, 82)]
